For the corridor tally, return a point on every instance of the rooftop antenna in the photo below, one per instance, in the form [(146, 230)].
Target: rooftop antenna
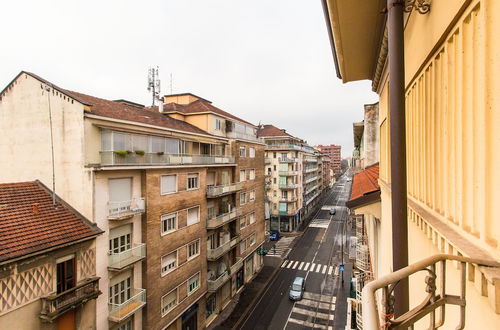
[(154, 84)]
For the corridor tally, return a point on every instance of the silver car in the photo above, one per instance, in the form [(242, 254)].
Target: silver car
[(297, 288)]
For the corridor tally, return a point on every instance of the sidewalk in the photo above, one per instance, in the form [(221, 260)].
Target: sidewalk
[(240, 304)]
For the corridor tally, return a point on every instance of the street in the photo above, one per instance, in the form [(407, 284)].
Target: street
[(316, 256)]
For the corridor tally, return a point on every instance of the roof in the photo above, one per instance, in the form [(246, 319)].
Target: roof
[(117, 110), (271, 130), (29, 223), (199, 106), (365, 183)]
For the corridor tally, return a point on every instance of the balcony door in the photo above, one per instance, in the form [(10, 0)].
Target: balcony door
[(121, 291), (120, 194), (65, 275)]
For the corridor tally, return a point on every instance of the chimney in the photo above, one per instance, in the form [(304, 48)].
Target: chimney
[(35, 207)]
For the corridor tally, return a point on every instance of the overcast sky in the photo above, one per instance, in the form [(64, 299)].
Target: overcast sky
[(266, 61)]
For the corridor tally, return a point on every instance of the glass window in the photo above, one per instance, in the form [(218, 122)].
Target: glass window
[(192, 181), (120, 292), (252, 218), (168, 263), (242, 152), (120, 190), (252, 174), (243, 222), (193, 215), (243, 198), (252, 239), (120, 244), (121, 141), (251, 152), (211, 305), (157, 144), (140, 142), (172, 146), (252, 195), (242, 175), (168, 223), (193, 283), (168, 184), (217, 124), (243, 246), (168, 301), (106, 140), (193, 249), (125, 326)]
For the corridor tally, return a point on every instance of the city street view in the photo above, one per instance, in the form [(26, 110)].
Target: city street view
[(227, 165)]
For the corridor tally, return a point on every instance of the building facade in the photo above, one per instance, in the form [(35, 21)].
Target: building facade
[(334, 152)]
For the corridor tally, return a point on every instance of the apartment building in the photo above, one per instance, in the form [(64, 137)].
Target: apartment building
[(47, 261), (334, 152), (444, 92), (292, 178), (158, 187)]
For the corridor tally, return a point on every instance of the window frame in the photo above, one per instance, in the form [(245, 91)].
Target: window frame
[(187, 215), (251, 174), (243, 193), (170, 270), (244, 175), (250, 216), (176, 185), (251, 193), (163, 233), (192, 176), (163, 313), (244, 149), (251, 152), (189, 290), (196, 243)]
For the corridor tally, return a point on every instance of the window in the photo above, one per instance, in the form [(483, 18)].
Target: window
[(193, 249), (251, 152), (193, 215), (218, 124), (168, 223), (242, 176), (193, 283), (168, 301), (252, 195), (120, 244), (252, 218), (252, 174), (168, 184), (243, 246), (274, 154), (243, 198), (211, 305), (243, 152), (120, 195), (274, 180), (275, 194), (192, 182), (120, 292), (168, 263), (252, 239), (243, 222), (125, 326)]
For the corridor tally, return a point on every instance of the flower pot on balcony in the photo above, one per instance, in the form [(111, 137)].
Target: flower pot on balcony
[(122, 153), (139, 152)]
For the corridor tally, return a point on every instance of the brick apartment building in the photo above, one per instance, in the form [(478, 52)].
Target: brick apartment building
[(334, 153)]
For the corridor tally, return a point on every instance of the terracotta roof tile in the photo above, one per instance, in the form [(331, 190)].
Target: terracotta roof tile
[(270, 130), (365, 182), (30, 223)]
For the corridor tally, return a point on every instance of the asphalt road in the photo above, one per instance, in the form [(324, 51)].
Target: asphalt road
[(316, 256)]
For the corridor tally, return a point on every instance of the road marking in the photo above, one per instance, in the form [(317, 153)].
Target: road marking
[(307, 266), (307, 324), (318, 268), (301, 264), (295, 264), (330, 270), (324, 269), (284, 263), (336, 271), (289, 264), (312, 267)]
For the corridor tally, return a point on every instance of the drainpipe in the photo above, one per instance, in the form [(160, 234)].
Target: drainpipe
[(395, 26)]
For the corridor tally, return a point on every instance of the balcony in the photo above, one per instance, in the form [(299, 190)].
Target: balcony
[(125, 209), (119, 312), (243, 136), (311, 160), (288, 173), (118, 261), (236, 266), (112, 158), (436, 293), (223, 218), (56, 305), (214, 254), (288, 186), (310, 190), (291, 211), (312, 198), (216, 283), (267, 160), (217, 191), (288, 200), (311, 179), (310, 170), (288, 160)]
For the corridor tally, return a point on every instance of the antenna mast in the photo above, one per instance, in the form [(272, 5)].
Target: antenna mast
[(154, 84)]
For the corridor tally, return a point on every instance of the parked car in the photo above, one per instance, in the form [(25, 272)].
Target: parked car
[(333, 211), (274, 235), (297, 288)]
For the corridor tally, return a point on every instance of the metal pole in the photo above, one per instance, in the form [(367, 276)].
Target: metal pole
[(395, 31)]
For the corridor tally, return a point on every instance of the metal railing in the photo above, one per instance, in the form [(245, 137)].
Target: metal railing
[(214, 284), (309, 170), (236, 266), (124, 209), (312, 198), (433, 303), (287, 173), (288, 212), (311, 179), (123, 259), (112, 158), (310, 190), (55, 305), (288, 186), (223, 218), (119, 312), (288, 160), (243, 136), (216, 253), (216, 191), (288, 199)]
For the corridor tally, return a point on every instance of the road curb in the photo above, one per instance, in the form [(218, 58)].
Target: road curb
[(257, 296)]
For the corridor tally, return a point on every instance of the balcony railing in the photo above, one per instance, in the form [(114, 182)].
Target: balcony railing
[(311, 179), (312, 198), (243, 136), (288, 200), (223, 218), (125, 209), (56, 305), (267, 160), (214, 254), (311, 160), (310, 190), (236, 266), (288, 173), (309, 170), (433, 303), (288, 212), (119, 312), (214, 284), (288, 160), (288, 186), (121, 260), (216, 191), (111, 158)]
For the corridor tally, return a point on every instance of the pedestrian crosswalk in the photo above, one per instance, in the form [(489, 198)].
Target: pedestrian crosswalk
[(280, 246), (314, 310), (309, 266), (320, 223)]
